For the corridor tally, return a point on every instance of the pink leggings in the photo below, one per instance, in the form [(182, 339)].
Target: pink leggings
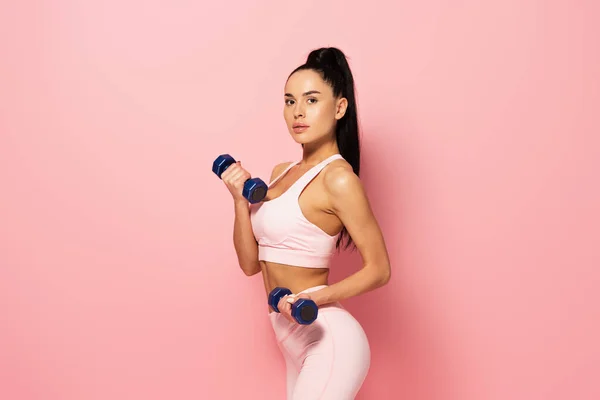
[(326, 360)]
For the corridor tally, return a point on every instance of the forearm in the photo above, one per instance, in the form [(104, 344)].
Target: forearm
[(362, 281), (244, 242)]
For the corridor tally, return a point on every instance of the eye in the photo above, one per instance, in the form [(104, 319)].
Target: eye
[(289, 102), (312, 100)]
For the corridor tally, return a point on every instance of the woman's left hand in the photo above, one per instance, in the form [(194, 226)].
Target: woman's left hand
[(285, 305)]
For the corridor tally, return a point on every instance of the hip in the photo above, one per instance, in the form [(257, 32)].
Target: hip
[(333, 319)]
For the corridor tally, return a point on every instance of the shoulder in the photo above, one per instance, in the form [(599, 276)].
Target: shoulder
[(339, 179), (278, 169)]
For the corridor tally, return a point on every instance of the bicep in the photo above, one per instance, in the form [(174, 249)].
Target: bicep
[(350, 203)]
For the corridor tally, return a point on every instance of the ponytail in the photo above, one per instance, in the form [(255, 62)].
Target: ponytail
[(332, 65)]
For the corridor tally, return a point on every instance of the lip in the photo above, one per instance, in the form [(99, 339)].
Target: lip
[(299, 127)]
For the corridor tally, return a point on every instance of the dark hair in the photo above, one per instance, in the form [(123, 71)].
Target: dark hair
[(333, 67)]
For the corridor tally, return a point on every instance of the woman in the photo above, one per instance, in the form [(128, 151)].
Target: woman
[(312, 207)]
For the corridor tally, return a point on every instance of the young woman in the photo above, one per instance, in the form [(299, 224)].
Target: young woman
[(313, 207)]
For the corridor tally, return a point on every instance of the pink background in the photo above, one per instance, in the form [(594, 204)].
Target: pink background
[(481, 157)]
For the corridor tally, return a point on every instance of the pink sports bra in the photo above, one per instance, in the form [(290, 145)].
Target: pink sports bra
[(283, 233)]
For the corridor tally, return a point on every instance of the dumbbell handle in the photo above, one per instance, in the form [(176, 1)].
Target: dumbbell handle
[(304, 311), (254, 188), (225, 169)]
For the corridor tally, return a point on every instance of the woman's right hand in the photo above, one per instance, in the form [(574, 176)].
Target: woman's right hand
[(234, 177)]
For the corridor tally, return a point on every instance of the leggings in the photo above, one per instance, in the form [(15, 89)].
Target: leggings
[(326, 360)]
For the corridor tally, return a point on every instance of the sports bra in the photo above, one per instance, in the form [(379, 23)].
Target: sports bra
[(283, 233)]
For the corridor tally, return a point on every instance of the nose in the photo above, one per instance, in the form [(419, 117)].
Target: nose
[(298, 111)]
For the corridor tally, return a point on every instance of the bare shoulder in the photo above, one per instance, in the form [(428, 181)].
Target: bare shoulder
[(278, 169), (339, 179)]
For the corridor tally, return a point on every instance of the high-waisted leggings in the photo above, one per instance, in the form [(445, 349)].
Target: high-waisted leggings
[(326, 360)]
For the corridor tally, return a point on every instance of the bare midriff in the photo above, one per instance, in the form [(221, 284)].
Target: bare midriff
[(295, 278)]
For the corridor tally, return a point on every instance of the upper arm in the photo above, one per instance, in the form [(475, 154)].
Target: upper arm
[(349, 202)]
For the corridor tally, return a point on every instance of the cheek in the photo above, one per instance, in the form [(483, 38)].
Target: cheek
[(288, 114), (324, 116)]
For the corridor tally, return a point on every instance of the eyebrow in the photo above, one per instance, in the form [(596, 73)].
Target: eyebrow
[(304, 94)]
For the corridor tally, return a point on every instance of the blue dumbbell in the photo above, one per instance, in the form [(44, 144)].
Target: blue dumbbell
[(254, 189), (304, 311)]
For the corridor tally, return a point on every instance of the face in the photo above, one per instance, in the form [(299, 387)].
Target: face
[(311, 111)]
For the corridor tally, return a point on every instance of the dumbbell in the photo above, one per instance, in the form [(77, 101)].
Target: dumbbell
[(254, 189), (304, 311)]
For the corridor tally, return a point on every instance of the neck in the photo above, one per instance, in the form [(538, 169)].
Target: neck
[(314, 153)]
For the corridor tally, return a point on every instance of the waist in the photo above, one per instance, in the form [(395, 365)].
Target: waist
[(294, 278)]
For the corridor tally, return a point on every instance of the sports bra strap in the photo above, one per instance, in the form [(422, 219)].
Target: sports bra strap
[(305, 179), (283, 173)]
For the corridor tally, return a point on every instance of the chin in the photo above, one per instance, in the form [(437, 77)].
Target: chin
[(302, 138)]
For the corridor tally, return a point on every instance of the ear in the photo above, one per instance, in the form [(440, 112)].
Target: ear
[(341, 106)]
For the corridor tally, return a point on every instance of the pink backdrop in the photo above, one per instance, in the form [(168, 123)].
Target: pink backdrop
[(118, 277)]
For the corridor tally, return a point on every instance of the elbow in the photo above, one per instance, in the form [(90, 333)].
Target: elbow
[(384, 276), (250, 272), (251, 269), (379, 275), (384, 280)]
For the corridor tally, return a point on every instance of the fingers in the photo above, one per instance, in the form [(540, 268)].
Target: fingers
[(282, 304), (232, 170), (285, 307), (240, 176), (235, 175)]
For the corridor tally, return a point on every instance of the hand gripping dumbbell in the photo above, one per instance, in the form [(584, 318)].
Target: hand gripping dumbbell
[(254, 189), (304, 311)]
